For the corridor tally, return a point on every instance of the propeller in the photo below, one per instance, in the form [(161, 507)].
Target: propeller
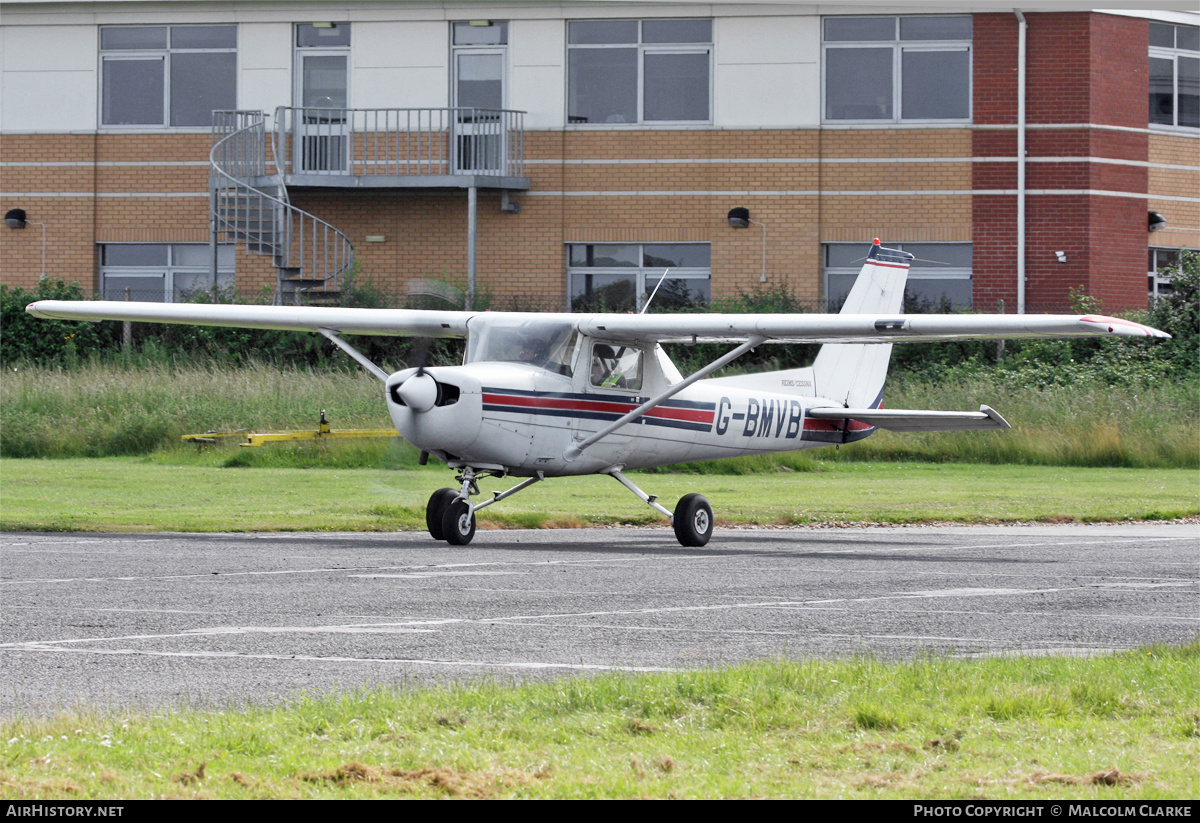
[(419, 392)]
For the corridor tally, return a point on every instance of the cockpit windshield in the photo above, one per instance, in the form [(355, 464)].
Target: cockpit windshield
[(547, 344)]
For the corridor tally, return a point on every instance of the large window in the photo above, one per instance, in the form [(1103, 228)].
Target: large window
[(166, 75), (639, 71), (1174, 75), (897, 69), (605, 277), (939, 278), (162, 272)]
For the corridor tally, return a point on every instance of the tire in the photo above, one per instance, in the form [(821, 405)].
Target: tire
[(458, 523), (438, 501), (693, 520)]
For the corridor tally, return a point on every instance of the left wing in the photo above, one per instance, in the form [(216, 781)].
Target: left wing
[(855, 328)]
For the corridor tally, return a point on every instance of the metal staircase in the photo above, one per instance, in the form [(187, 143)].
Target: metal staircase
[(249, 207)]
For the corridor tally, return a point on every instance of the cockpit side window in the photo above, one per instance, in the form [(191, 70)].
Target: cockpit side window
[(616, 367)]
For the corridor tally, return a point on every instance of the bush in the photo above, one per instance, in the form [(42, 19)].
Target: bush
[(49, 342)]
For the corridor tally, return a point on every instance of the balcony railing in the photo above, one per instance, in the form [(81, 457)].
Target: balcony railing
[(399, 143)]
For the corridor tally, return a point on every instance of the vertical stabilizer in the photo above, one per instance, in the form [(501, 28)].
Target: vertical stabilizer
[(853, 373)]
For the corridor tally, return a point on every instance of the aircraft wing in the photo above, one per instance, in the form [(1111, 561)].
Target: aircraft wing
[(916, 420), (399, 322), (855, 328), (643, 328)]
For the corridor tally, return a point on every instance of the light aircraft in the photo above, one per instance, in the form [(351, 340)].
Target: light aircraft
[(553, 395)]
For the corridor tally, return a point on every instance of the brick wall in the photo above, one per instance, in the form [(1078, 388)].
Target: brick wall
[(1085, 183)]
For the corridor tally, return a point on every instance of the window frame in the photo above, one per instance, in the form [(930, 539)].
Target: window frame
[(1155, 281), (645, 277), (917, 272), (163, 54), (643, 49), (898, 46), (165, 274), (1173, 53)]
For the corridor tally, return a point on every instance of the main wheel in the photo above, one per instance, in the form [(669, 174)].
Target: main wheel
[(438, 501), (458, 523), (693, 520)]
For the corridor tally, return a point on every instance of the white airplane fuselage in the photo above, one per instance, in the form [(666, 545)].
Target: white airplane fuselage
[(524, 418)]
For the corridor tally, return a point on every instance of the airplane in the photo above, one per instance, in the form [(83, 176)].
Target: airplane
[(544, 395)]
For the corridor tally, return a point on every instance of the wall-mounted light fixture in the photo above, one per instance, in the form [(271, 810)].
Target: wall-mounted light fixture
[(739, 218), (15, 218), (1061, 255), (1157, 221)]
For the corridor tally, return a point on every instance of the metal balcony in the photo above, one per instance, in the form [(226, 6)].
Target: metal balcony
[(461, 148)]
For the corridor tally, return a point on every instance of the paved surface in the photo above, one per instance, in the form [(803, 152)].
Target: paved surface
[(167, 619)]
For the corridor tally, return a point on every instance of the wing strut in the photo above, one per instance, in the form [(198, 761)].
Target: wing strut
[(355, 353), (575, 449)]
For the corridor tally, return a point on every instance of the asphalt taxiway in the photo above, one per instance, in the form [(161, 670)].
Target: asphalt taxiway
[(149, 620)]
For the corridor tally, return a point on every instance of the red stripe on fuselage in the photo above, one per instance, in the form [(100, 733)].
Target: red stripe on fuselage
[(521, 403)]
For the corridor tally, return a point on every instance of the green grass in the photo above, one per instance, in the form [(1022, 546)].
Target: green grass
[(1114, 727), (185, 491)]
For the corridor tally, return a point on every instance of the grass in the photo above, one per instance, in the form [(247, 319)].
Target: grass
[(1109, 728), (186, 491), (102, 410)]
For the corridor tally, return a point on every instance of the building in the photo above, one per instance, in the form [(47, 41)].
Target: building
[(555, 154)]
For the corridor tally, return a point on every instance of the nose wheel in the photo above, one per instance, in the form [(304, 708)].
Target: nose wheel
[(458, 522)]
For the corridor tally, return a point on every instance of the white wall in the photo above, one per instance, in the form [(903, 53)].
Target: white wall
[(264, 66), (400, 64), (537, 72), (48, 78), (767, 72)]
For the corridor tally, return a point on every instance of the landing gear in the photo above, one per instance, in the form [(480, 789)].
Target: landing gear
[(693, 520), (450, 516), (693, 517)]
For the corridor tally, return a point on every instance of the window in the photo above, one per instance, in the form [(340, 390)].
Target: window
[(1174, 75), (1162, 265), (639, 71), (166, 75), (939, 279), (897, 69), (616, 367), (478, 58), (608, 277), (162, 272)]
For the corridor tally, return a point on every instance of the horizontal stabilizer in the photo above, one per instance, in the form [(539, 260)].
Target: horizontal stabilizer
[(916, 420)]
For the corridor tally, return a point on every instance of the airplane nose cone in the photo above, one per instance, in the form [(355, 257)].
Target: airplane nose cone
[(418, 392)]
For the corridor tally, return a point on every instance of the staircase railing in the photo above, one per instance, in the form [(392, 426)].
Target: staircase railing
[(309, 254)]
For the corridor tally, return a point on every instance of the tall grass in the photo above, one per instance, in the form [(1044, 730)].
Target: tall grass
[(113, 409), (101, 410)]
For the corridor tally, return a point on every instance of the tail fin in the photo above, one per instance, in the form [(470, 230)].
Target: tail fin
[(853, 373)]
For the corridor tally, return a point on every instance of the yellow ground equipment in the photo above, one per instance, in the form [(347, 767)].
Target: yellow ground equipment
[(323, 432)]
